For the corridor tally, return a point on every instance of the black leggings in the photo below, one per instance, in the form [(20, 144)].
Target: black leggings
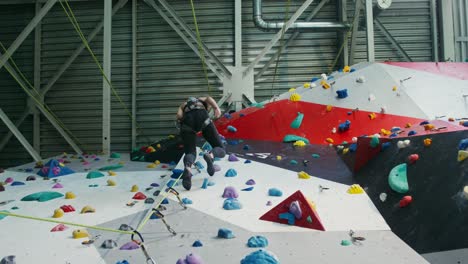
[(192, 123)]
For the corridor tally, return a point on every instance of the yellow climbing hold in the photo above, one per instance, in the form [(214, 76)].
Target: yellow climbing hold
[(394, 88), (58, 213), (346, 68), (429, 127), (299, 143), (324, 84), (465, 192), (158, 146), (150, 149), (279, 157), (122, 162), (151, 166), (88, 209), (295, 97), (292, 90), (385, 132), (61, 164), (70, 195), (427, 142), (134, 188), (345, 150), (303, 175), (408, 125), (112, 173), (329, 108), (306, 85), (355, 189), (111, 183), (157, 162), (80, 233), (462, 155), (372, 116), (330, 140), (171, 136)]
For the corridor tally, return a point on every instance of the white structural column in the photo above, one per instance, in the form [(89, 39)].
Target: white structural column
[(19, 136), (370, 31), (106, 93), (37, 83), (434, 25), (238, 33), (277, 37), (26, 31), (134, 71)]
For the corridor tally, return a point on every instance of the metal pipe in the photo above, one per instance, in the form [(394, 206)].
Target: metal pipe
[(301, 26)]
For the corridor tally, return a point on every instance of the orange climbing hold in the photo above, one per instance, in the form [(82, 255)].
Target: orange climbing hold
[(429, 127), (325, 85), (408, 125), (372, 116), (385, 132), (330, 140), (346, 68), (329, 108), (427, 142)]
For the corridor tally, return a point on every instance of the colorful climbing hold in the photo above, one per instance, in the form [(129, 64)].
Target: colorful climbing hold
[(405, 201), (231, 129), (57, 186), (231, 173), (42, 196), (197, 243), (329, 140), (295, 97), (115, 155), (342, 93), (372, 116), (109, 244), (230, 192), (288, 216), (462, 155), (250, 182), (315, 156), (275, 192), (139, 196), (94, 174), (355, 189), (374, 142), (293, 138), (413, 158), (257, 242), (233, 157), (344, 126), (296, 123), (129, 246), (397, 179), (303, 175), (134, 188), (151, 166), (345, 242), (111, 183), (232, 204), (58, 213), (429, 127), (205, 183), (260, 257), (17, 183), (427, 142), (248, 189), (59, 228), (70, 195), (80, 233), (225, 233), (190, 259), (187, 201), (383, 197), (88, 209), (295, 209), (299, 143)]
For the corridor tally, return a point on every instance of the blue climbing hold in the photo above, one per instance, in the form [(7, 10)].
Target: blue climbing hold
[(275, 192), (465, 124), (227, 115), (233, 142), (257, 241), (395, 129), (16, 183), (393, 135), (231, 173), (171, 183), (315, 156), (260, 257), (353, 147), (342, 93), (232, 204), (352, 70), (225, 233), (424, 123), (463, 145), (206, 147), (176, 173), (199, 165), (288, 216), (3, 215), (314, 79), (412, 133), (154, 216), (210, 183), (350, 113), (205, 183), (197, 243), (385, 146), (172, 163), (246, 147), (28, 170), (122, 262), (241, 115), (232, 129), (248, 189), (344, 126), (187, 201), (247, 161), (165, 201)]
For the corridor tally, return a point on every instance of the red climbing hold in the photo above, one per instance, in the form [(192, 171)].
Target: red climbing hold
[(306, 208), (405, 201), (67, 208), (139, 196), (413, 158)]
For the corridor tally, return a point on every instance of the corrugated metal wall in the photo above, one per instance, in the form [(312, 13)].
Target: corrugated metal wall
[(13, 99), (168, 70), (460, 23)]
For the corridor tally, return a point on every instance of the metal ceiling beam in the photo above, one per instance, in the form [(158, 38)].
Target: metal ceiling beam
[(290, 40), (370, 31), (192, 35), (352, 49), (106, 89), (278, 35), (37, 81), (238, 33), (19, 136), (152, 4), (26, 31), (21, 2), (392, 40), (134, 71), (62, 69)]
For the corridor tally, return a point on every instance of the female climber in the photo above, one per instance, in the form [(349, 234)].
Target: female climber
[(193, 118)]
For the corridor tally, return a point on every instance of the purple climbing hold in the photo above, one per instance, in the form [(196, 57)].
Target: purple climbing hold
[(250, 182), (295, 209), (154, 184), (232, 157), (269, 203), (190, 259), (216, 167), (57, 186), (230, 192), (8, 180), (129, 246)]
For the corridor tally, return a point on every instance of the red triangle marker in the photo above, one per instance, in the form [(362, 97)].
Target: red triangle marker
[(307, 210)]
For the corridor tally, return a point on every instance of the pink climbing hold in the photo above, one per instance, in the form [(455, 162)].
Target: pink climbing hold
[(232, 157), (230, 192), (139, 196), (405, 201), (59, 228), (56, 170), (86, 163), (9, 180), (129, 246), (57, 186), (413, 158)]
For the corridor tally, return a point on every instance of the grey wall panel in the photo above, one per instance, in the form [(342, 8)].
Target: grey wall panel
[(13, 100)]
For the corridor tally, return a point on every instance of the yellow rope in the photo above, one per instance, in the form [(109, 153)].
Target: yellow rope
[(65, 223), (200, 48)]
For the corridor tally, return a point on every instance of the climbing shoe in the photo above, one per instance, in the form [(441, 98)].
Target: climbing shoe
[(187, 179), (209, 164)]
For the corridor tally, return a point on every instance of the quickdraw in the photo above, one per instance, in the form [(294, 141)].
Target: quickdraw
[(176, 193), (140, 243), (161, 216)]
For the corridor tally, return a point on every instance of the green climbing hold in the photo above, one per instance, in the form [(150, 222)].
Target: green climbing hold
[(293, 162), (142, 158), (111, 167), (42, 196), (94, 174), (15, 208), (115, 155), (374, 142), (309, 219), (294, 138), (258, 105), (296, 123), (345, 242), (315, 156), (2, 215), (397, 179)]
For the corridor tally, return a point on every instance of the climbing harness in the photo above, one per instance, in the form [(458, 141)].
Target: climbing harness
[(149, 259)]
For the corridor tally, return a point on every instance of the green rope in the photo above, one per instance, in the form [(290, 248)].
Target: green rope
[(200, 48), (280, 50)]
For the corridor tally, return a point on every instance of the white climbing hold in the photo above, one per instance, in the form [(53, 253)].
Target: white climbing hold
[(383, 197), (334, 130), (324, 76), (354, 139), (361, 79)]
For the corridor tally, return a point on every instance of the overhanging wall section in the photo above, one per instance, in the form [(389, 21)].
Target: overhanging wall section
[(13, 100)]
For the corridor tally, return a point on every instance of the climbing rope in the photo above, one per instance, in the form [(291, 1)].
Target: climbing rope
[(200, 48), (282, 43)]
